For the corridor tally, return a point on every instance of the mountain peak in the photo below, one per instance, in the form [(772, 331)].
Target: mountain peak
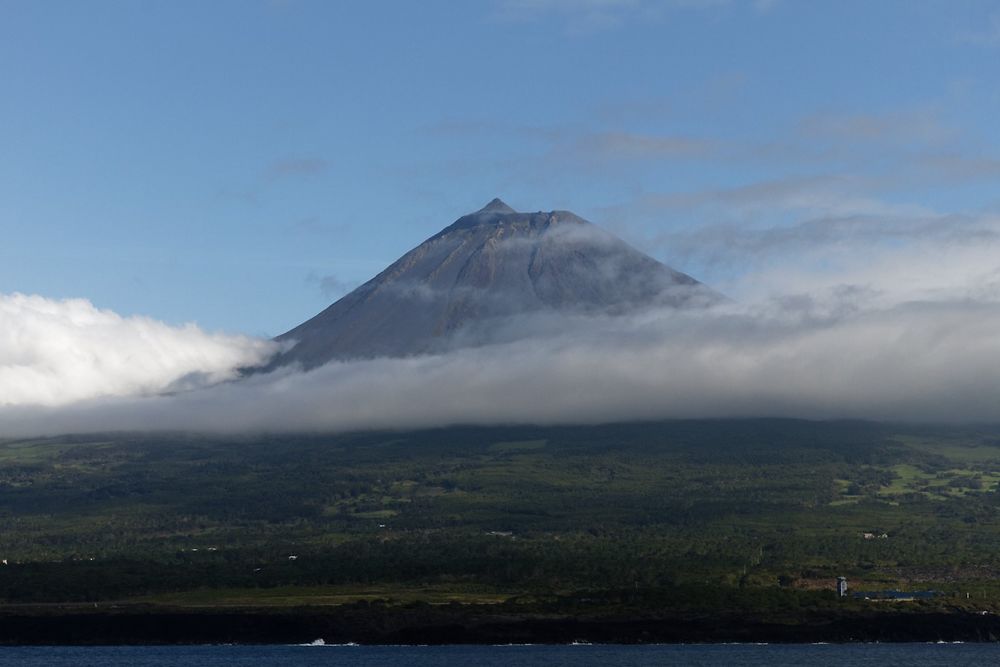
[(496, 206), (470, 284)]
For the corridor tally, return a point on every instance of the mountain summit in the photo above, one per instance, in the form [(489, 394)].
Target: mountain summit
[(496, 206), (477, 275)]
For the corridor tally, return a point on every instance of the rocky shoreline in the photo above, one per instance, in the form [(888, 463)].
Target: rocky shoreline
[(456, 624)]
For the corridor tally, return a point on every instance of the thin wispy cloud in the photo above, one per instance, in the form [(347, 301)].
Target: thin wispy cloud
[(330, 285), (281, 171), (587, 16), (298, 166), (765, 5), (918, 127), (579, 15), (616, 145), (850, 156), (986, 35), (955, 167), (572, 148), (833, 195)]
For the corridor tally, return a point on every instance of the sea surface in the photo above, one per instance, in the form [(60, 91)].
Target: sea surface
[(731, 655)]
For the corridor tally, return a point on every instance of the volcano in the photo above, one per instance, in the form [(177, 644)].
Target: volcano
[(478, 276)]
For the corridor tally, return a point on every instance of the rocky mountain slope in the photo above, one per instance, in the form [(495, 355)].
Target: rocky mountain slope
[(481, 273)]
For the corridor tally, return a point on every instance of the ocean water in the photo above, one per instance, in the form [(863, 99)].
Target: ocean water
[(741, 655)]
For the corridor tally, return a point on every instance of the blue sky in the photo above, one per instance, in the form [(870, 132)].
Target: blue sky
[(242, 164)]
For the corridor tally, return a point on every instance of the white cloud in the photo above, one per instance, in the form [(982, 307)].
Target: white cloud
[(832, 356), (54, 352), (940, 259)]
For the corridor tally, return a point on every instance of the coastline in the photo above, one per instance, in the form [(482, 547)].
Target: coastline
[(458, 624)]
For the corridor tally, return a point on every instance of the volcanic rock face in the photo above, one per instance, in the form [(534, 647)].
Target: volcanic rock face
[(481, 273)]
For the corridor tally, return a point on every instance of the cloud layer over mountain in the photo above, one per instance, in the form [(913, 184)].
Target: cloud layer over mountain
[(823, 356), (880, 318)]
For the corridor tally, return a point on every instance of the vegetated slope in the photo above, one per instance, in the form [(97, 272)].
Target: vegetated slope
[(476, 513), (468, 284)]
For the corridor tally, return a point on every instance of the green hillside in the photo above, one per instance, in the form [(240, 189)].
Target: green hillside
[(769, 507)]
